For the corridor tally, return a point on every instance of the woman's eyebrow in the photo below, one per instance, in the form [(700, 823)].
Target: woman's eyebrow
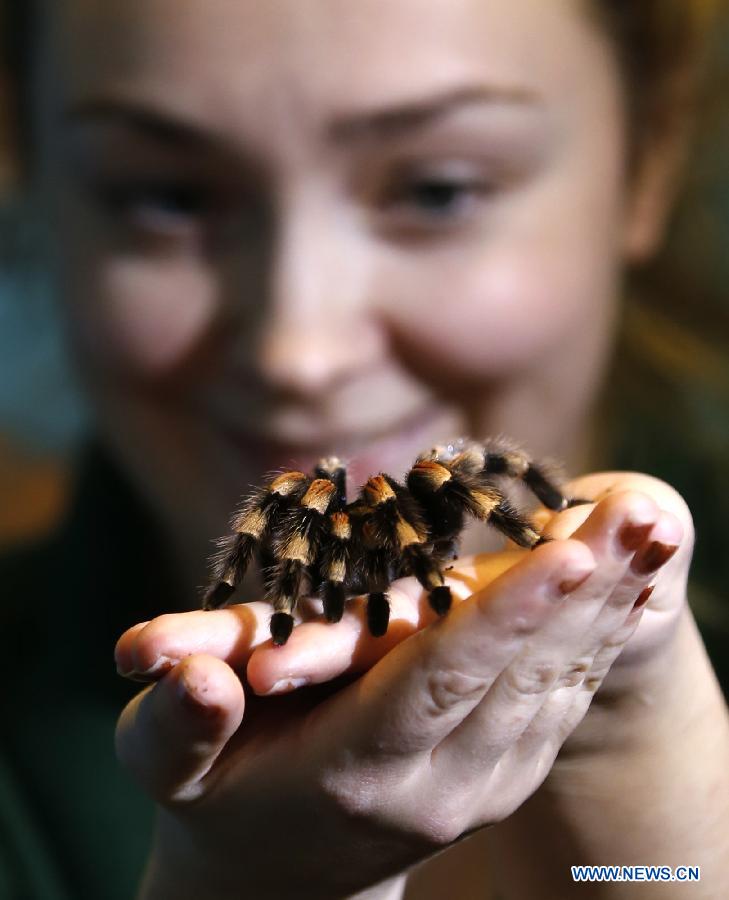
[(169, 128), (408, 115), (384, 122)]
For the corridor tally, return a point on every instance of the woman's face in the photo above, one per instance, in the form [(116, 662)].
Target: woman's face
[(300, 227)]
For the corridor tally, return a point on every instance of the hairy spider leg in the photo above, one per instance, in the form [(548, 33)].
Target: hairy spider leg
[(379, 507), (445, 502), (500, 458), (489, 504), (250, 527), (511, 462), (395, 544), (415, 550), (378, 613), (334, 565), (449, 491), (375, 576), (296, 549), (419, 562)]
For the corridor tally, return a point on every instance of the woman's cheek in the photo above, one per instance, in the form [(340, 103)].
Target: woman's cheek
[(144, 321), (494, 317)]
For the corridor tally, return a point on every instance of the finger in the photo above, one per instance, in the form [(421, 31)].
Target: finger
[(531, 757), (615, 529), (521, 689), (600, 485), (654, 554), (422, 690), (171, 734), (568, 703), (149, 650), (124, 650), (316, 652), (319, 651), (613, 645), (676, 529), (569, 697)]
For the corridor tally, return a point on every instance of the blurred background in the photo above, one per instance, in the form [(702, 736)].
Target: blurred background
[(675, 344), (42, 415)]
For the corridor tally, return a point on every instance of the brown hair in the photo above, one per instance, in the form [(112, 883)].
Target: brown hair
[(661, 45)]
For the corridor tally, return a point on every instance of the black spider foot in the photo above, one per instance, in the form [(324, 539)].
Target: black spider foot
[(378, 613), (333, 596), (577, 501), (543, 489), (218, 596), (440, 599), (543, 539), (282, 624)]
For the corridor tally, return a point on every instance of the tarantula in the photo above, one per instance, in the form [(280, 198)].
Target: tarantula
[(309, 539)]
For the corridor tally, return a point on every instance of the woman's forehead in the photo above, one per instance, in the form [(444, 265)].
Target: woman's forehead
[(354, 54)]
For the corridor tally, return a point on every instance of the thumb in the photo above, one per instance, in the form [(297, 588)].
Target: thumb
[(169, 736)]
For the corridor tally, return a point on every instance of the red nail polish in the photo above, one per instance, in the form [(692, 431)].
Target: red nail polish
[(652, 557), (632, 536), (643, 597)]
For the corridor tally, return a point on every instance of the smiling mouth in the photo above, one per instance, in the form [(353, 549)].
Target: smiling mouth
[(363, 453)]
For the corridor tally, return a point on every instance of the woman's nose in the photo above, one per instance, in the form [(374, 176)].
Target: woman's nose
[(317, 330)]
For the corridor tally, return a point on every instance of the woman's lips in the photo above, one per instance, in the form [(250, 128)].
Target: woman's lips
[(390, 449)]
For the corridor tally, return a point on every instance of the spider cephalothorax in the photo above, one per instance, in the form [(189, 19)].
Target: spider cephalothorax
[(309, 539)]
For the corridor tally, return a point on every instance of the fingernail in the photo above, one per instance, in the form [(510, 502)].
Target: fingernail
[(287, 684), (652, 557), (631, 536), (578, 501), (571, 584), (151, 674), (643, 597), (193, 702), (133, 675), (161, 667), (125, 673)]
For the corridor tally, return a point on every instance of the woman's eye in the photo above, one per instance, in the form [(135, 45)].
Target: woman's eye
[(156, 207), (438, 196), (434, 201)]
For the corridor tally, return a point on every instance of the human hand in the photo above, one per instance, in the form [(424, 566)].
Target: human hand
[(450, 730), (668, 599)]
